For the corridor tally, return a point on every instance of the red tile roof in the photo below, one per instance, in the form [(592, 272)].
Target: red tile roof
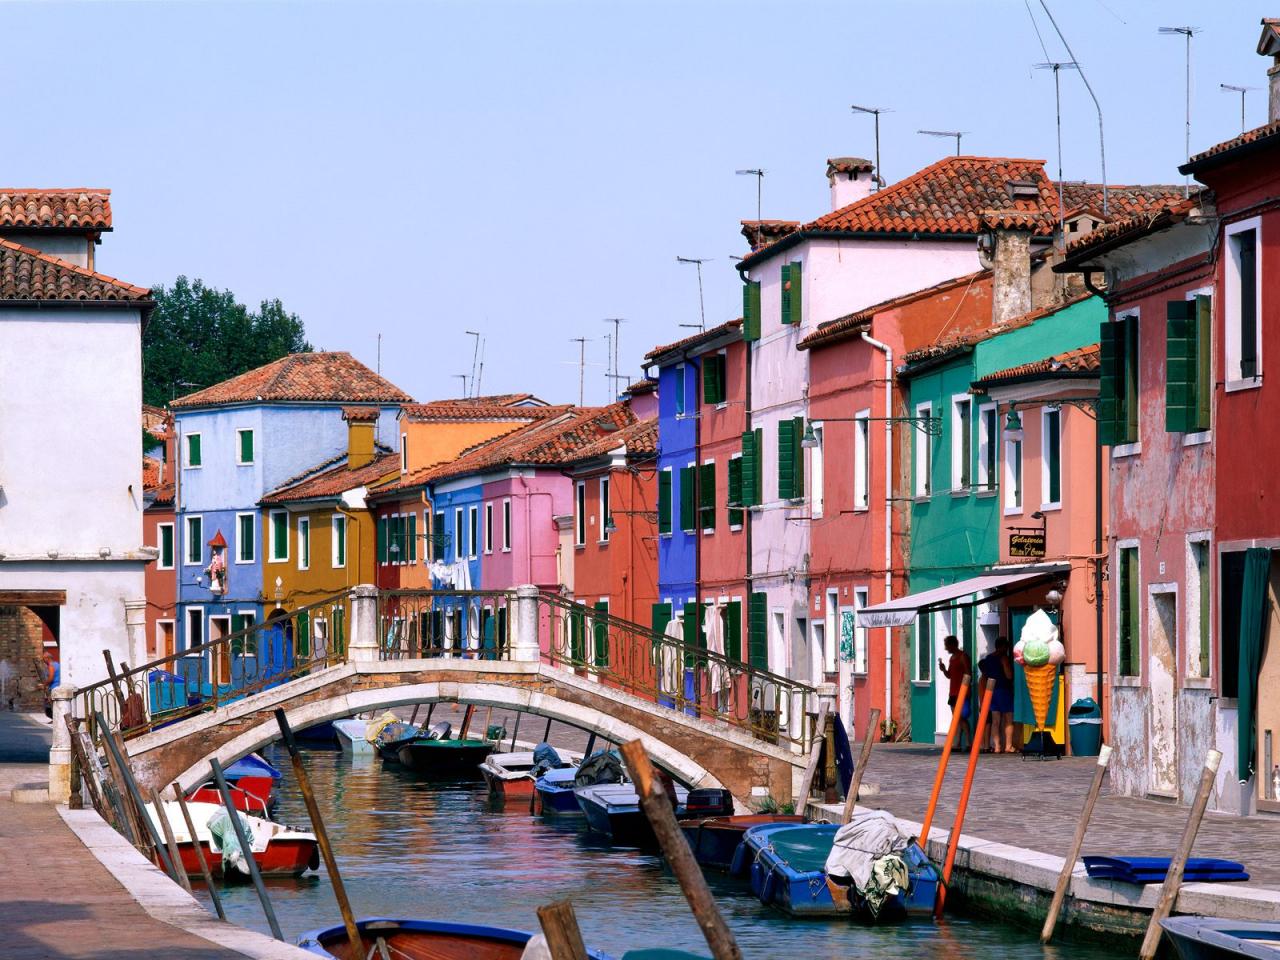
[(331, 483), (647, 385), (954, 344), (1259, 137), (640, 439), (760, 233), (1119, 232), (1083, 362), (477, 408), (27, 274), (697, 340), (68, 209), (318, 377), (360, 414)]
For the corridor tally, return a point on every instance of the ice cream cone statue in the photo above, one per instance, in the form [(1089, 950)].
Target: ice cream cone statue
[(1040, 653)]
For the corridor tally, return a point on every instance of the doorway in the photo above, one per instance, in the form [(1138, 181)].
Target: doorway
[(219, 627), (1162, 661), (1268, 759), (818, 654)]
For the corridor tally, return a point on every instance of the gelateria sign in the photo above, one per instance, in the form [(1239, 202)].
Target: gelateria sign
[(1025, 543)]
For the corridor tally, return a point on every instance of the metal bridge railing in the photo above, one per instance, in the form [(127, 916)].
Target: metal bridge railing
[(471, 624)]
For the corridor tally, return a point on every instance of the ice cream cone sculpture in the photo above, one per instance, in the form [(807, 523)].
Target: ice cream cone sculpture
[(1040, 681)]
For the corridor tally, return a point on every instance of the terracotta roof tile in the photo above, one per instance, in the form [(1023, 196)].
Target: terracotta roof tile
[(27, 274), (955, 344), (334, 481), (647, 385), (640, 439), (320, 377), (698, 339), (1112, 234), (69, 209), (1220, 153), (760, 233), (1083, 362), (476, 409)]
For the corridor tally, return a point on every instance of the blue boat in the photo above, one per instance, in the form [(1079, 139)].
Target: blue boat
[(1215, 938), (555, 792), (613, 809), (422, 940), (788, 871)]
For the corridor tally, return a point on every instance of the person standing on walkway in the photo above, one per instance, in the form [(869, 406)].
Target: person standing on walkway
[(955, 669), (997, 667)]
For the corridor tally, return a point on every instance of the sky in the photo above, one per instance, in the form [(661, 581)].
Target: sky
[(528, 169)]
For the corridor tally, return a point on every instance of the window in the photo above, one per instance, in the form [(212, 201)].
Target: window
[(338, 529), (961, 442), (735, 491), (752, 469), (713, 374), (707, 497), (679, 389), (439, 538), (688, 521), (195, 627), (923, 458), (279, 535), (246, 538), (488, 528), (862, 460), (195, 541), (1118, 382), (1198, 606), (244, 447), (304, 543), (861, 600), (922, 664), (459, 535), (817, 495), (791, 300), (506, 525), (473, 531), (1012, 476), (605, 512), (1128, 611), (404, 453), (164, 544), (1243, 293), (664, 501), (987, 450), (1188, 369), (580, 514), (757, 630), (790, 459), (193, 450), (1230, 601), (383, 535), (1051, 457)]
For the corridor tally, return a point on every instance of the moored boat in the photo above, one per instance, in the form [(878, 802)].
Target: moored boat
[(511, 774), (715, 840), (555, 793), (351, 736), (251, 780), (613, 809), (448, 759), (279, 850), (1216, 938), (422, 940)]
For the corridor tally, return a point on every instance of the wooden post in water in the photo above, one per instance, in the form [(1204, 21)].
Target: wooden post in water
[(1077, 841), (987, 690), (466, 721), (1173, 879), (167, 828), (322, 835), (811, 768), (869, 741), (560, 927), (86, 772), (658, 808), (929, 811), (204, 864), (546, 737), (246, 849), (515, 733)]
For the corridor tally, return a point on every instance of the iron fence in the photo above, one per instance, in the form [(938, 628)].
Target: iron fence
[(470, 624)]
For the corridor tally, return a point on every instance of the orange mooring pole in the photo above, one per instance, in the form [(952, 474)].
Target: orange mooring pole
[(942, 763), (978, 731)]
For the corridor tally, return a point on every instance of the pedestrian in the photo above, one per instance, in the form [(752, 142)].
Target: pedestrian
[(956, 669), (51, 671), (997, 667)]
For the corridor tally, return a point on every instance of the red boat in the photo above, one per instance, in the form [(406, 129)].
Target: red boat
[(252, 785), (279, 851), (508, 774)]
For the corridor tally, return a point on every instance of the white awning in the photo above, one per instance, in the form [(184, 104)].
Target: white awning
[(903, 610)]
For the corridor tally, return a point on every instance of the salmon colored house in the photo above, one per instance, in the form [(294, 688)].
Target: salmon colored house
[(161, 578)]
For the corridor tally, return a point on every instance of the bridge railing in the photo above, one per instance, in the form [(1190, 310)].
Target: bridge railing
[(471, 624), (283, 647)]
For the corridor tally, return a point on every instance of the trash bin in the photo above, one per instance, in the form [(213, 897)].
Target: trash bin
[(1084, 727)]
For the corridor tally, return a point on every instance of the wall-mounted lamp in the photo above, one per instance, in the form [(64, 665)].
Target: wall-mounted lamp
[(1013, 426)]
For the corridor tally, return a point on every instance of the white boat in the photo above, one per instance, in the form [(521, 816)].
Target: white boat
[(507, 774), (351, 735), (278, 849)]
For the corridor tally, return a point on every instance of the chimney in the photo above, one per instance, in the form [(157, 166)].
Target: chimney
[(362, 422), (1269, 46), (851, 179), (1005, 249)]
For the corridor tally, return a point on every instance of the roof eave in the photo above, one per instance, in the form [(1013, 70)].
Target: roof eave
[(916, 367), (793, 239), (1196, 167), (985, 385), (694, 349)]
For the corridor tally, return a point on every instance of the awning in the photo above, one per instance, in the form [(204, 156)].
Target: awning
[(993, 583)]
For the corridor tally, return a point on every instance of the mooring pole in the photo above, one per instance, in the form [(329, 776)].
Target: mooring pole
[(963, 806), (929, 811), (195, 840), (126, 775), (169, 840), (811, 768), (246, 848), (863, 758), (1077, 841), (560, 928)]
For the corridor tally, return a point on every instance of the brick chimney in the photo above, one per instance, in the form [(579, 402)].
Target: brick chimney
[(362, 423), (851, 179), (1269, 46)]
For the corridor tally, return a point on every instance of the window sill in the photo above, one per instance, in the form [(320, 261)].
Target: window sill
[(734, 527), (244, 463), (280, 560), (706, 532), (922, 684), (865, 508), (1198, 683), (238, 563), (1013, 511), (722, 405), (158, 567), (602, 543), (1248, 383), (1126, 450), (1197, 439), (1127, 683), (986, 494), (921, 498), (506, 549), (960, 493), (187, 466), (1051, 507), (1228, 703)]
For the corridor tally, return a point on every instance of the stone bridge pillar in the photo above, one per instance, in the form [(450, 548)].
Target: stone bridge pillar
[(363, 647), (525, 648), (60, 753)]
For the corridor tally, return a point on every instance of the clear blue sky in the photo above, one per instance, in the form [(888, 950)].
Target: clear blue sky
[(527, 169)]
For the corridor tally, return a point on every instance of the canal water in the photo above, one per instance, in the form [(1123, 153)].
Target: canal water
[(410, 848)]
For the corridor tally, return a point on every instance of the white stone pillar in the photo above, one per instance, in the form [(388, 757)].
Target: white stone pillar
[(363, 648), (60, 753), (135, 625), (526, 647)]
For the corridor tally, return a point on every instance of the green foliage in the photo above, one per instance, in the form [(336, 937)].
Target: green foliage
[(198, 336), (771, 806)]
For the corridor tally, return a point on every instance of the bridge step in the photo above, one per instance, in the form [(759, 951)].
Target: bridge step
[(30, 793)]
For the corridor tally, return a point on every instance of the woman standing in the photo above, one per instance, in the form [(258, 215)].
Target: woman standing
[(998, 666)]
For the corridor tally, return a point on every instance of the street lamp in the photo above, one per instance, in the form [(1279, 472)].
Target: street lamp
[(1013, 425)]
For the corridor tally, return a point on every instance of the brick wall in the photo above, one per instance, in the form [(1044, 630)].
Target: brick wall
[(21, 645)]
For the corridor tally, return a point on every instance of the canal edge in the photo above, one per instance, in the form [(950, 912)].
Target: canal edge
[(161, 898)]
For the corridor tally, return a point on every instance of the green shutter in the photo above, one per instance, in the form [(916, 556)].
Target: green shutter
[(1181, 366), (577, 648), (664, 501), (382, 540), (1130, 420), (413, 538), (757, 480), (1054, 443), (1204, 362), (786, 293), (733, 630), (797, 433), (735, 492), (793, 308), (787, 460), (302, 638), (713, 379), (437, 536), (1109, 383), (751, 311), (688, 519), (600, 631), (695, 638), (707, 497), (749, 468), (660, 616), (193, 450), (340, 532), (758, 631), (166, 546), (246, 446)]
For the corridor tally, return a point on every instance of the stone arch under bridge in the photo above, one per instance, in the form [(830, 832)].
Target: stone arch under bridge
[(699, 752)]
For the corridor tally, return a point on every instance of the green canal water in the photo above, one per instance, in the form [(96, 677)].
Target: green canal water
[(409, 848)]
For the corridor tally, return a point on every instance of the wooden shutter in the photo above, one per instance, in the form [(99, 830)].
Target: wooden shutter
[(437, 536), (786, 459), (659, 617), (713, 379), (758, 631), (707, 497), (1181, 366), (302, 639), (688, 519), (600, 629), (1247, 248), (750, 467), (1204, 364), (1109, 383), (793, 301), (577, 651), (735, 492), (751, 311), (797, 433), (756, 491), (246, 446), (1130, 418), (786, 293), (733, 630), (694, 636), (193, 450), (413, 538), (664, 501)]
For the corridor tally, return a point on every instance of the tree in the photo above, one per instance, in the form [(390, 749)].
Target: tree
[(198, 336)]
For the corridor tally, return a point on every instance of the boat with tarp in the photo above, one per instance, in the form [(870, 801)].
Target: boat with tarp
[(251, 780), (554, 791), (438, 754), (715, 840), (279, 850), (422, 940), (515, 774)]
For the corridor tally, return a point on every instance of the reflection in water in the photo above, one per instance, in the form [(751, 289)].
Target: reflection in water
[(408, 848)]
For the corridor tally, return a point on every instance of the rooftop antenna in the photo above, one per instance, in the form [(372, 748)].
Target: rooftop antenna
[(702, 310), (608, 373), (379, 369), (463, 378), (874, 111), (1187, 32), (946, 133), (1055, 66), (480, 375), (759, 175), (475, 355), (582, 365), (1233, 88), (615, 340), (1102, 148)]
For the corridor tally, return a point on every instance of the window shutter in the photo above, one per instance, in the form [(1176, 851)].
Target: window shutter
[(1053, 426), (600, 628), (707, 497), (757, 481), (664, 501), (793, 314), (1109, 339), (751, 311), (1248, 252), (437, 536), (246, 446), (750, 466), (733, 630), (694, 636), (735, 492), (688, 522), (1181, 366), (577, 647), (382, 540), (786, 293), (1129, 419), (1204, 365), (797, 433), (193, 450), (713, 379), (413, 538), (786, 459), (660, 617), (757, 631)]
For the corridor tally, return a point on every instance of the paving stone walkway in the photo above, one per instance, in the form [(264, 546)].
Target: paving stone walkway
[(1037, 804)]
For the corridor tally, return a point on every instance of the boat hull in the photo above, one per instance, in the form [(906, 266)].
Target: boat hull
[(556, 797), (1213, 938), (350, 734), (715, 840), (422, 940), (614, 810), (282, 858), (445, 759)]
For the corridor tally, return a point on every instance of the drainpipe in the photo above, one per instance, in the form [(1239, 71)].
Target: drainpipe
[(888, 514)]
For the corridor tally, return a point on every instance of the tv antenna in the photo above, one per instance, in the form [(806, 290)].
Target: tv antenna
[(1233, 88), (946, 133), (702, 309), (614, 340), (759, 175), (582, 364), (1187, 32), (475, 354), (463, 378), (1056, 66), (874, 111), (479, 380)]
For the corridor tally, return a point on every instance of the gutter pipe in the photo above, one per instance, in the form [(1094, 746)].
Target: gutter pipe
[(888, 515)]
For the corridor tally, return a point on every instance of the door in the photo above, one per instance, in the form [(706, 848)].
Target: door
[(1162, 660), (1268, 698), (818, 666), (220, 627)]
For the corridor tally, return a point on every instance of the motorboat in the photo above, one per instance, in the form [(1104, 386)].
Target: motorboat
[(422, 940), (278, 850)]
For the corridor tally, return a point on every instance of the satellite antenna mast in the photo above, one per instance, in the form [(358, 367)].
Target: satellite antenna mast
[(874, 111), (1187, 32), (475, 354), (759, 175), (1233, 88), (702, 310), (1055, 66), (582, 365), (946, 133)]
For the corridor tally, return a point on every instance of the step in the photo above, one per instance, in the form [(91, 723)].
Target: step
[(30, 793)]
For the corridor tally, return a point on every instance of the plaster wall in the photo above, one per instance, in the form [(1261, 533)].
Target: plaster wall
[(677, 435), (161, 585), (537, 496)]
